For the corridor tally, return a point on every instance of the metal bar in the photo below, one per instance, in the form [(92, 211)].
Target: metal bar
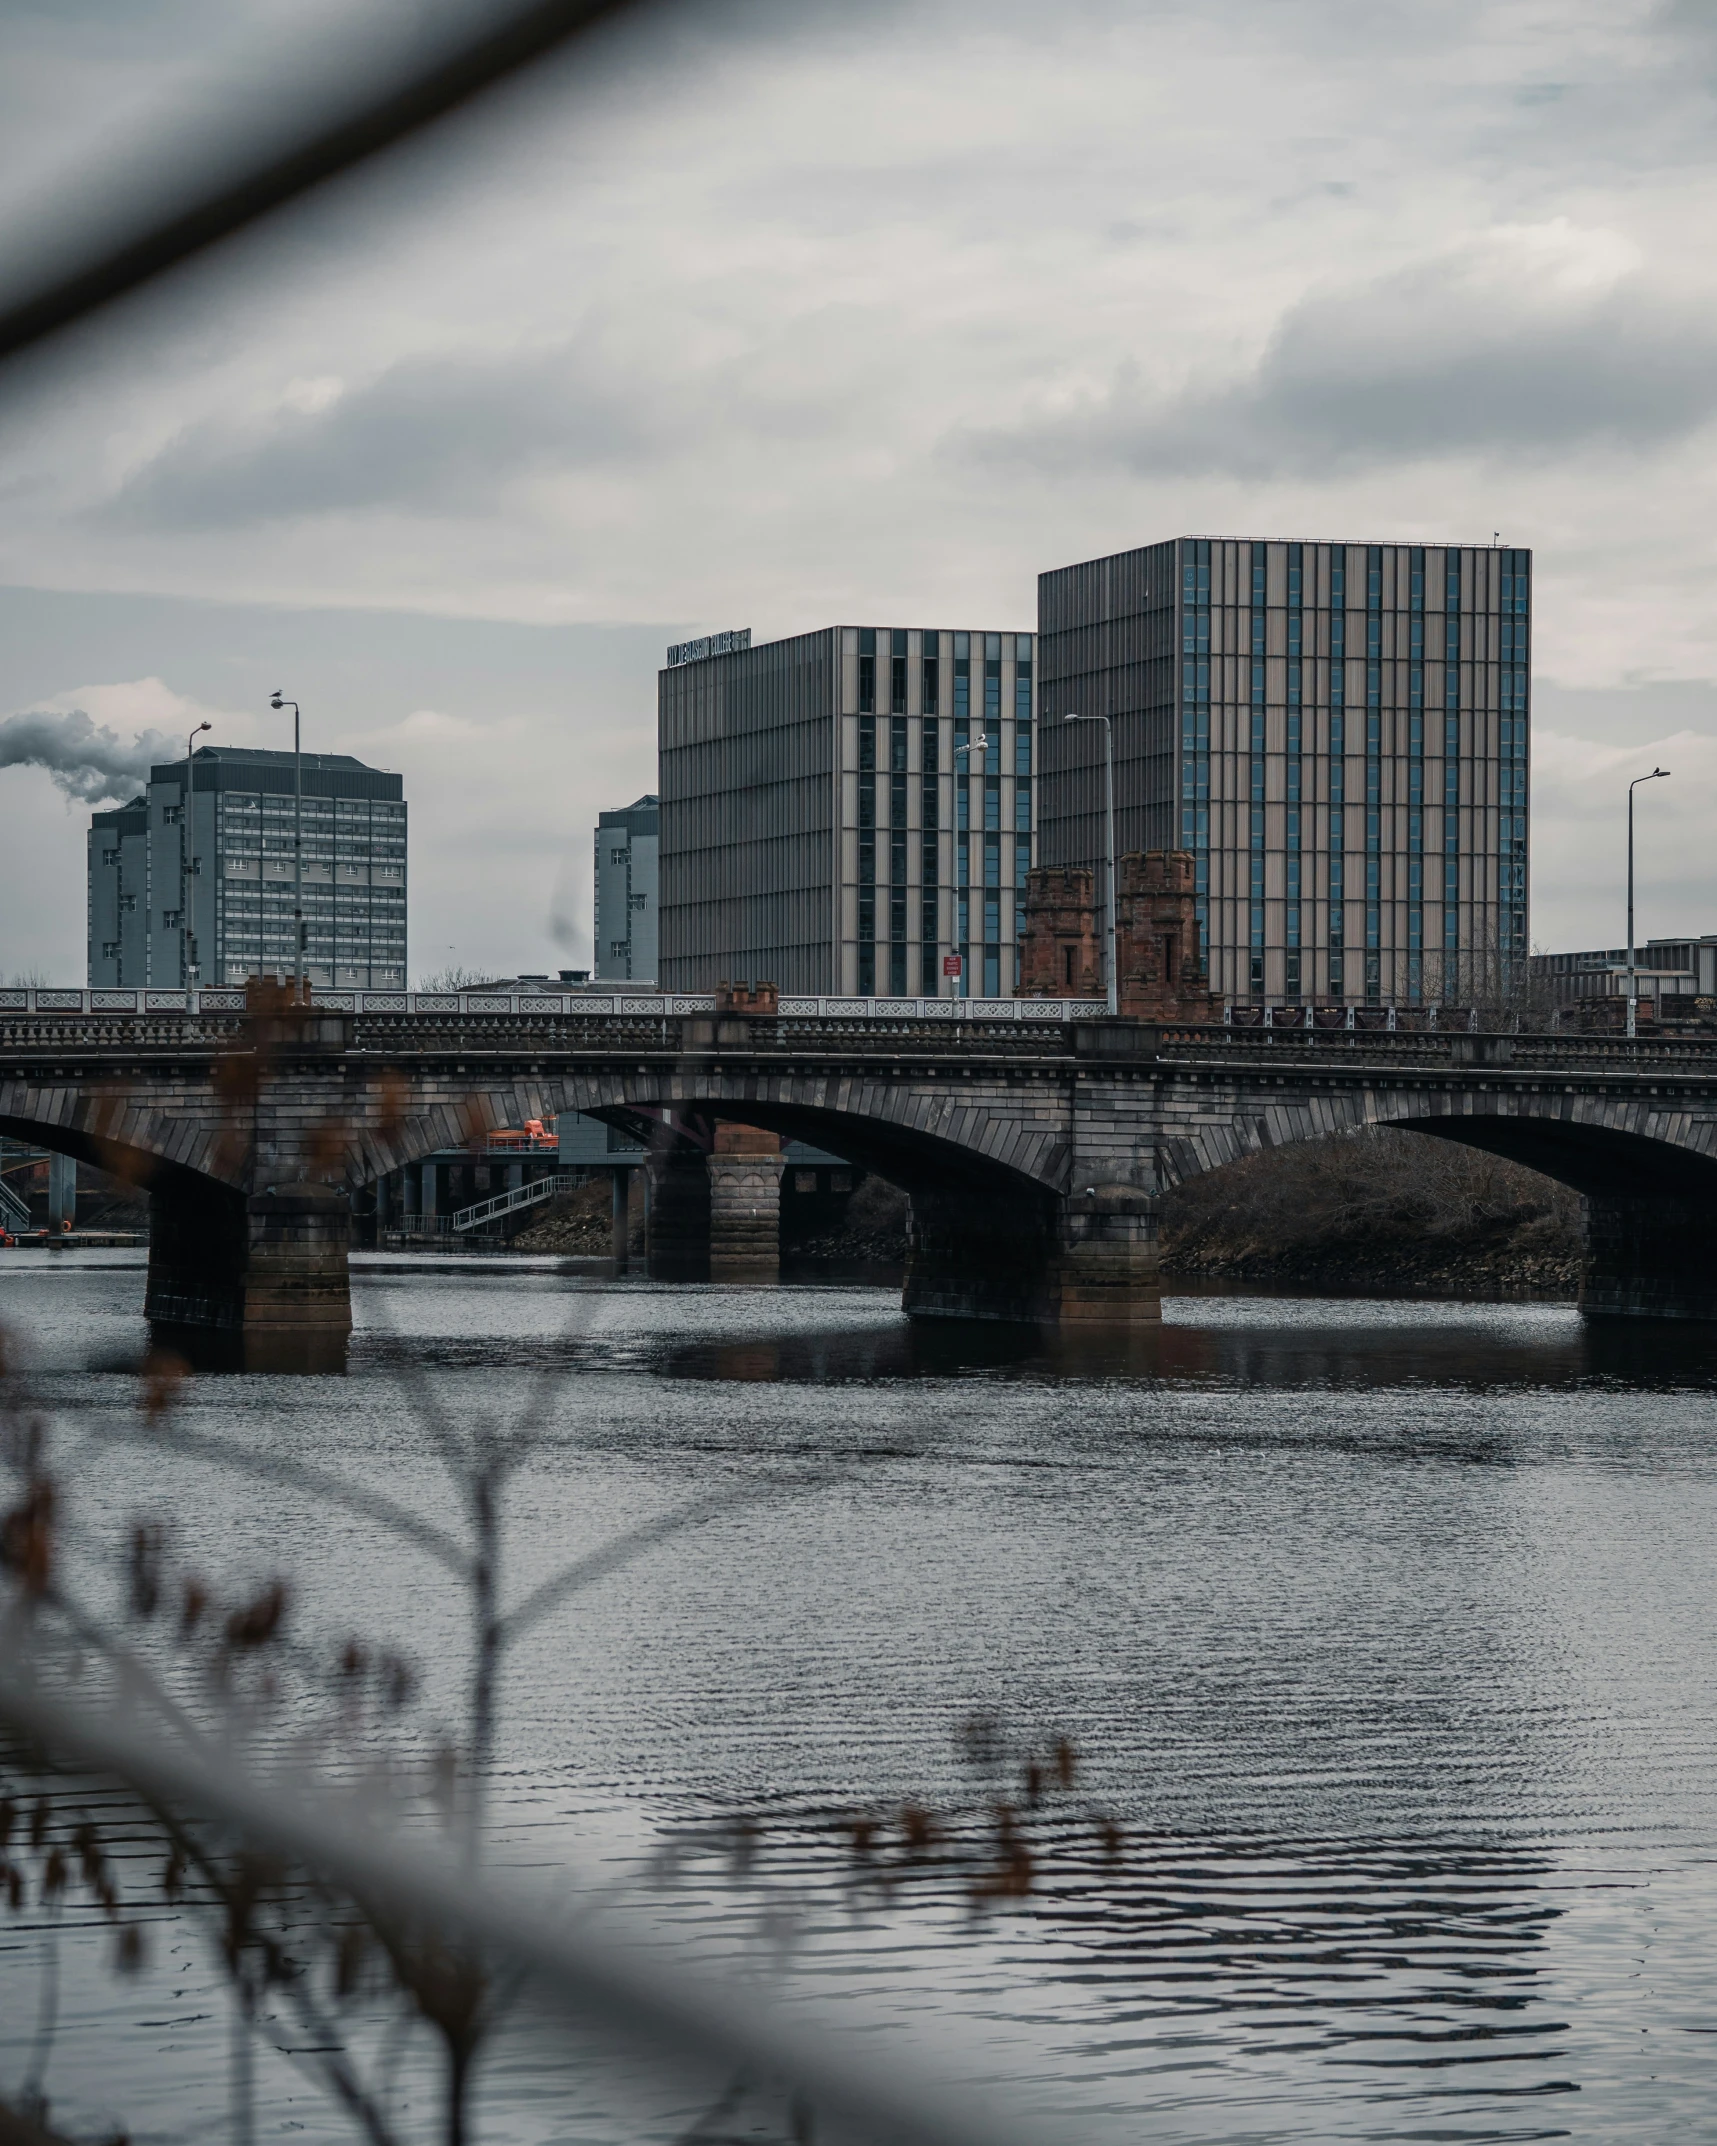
[(324, 146), (611, 1964), (505, 1203)]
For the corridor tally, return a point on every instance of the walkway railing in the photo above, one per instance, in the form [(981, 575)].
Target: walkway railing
[(399, 1024), (507, 1203)]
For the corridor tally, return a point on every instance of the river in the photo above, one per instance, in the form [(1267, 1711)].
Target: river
[(1384, 1632)]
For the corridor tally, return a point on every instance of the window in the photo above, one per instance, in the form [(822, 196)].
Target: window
[(897, 685)]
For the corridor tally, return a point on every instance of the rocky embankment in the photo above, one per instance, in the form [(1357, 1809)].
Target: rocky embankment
[(873, 1229), (1376, 1210), (580, 1223)]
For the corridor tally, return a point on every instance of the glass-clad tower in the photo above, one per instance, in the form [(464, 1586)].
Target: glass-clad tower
[(1337, 732), (831, 820)]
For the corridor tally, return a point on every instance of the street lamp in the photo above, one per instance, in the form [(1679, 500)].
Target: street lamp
[(972, 745), (1109, 849), (191, 738), (297, 847), (1656, 775)]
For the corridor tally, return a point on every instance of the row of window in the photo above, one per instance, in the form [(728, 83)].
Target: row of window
[(1375, 577), (930, 688)]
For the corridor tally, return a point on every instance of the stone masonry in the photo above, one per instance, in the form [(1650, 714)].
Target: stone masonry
[(1035, 1154), (1159, 972)]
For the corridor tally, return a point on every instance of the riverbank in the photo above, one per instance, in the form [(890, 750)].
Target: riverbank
[(1377, 1209)]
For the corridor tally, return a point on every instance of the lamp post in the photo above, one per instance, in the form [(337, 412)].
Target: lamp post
[(1656, 775), (191, 738), (972, 745), (297, 849), (1108, 850)]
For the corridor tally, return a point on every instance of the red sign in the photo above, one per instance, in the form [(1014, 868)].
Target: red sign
[(950, 964)]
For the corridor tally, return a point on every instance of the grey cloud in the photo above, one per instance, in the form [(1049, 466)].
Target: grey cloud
[(438, 433), (86, 760), (1449, 357)]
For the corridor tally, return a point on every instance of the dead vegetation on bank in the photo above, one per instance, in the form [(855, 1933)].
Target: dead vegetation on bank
[(1379, 1207)]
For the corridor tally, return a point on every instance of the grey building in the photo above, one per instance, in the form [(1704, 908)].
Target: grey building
[(628, 844), (200, 872), (1668, 968), (830, 822), (119, 895), (1339, 733)]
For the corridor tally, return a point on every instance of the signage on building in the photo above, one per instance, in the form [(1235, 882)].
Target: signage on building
[(950, 964), (712, 644)]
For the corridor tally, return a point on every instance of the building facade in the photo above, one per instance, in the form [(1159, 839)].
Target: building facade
[(1663, 968), (119, 895), (849, 811), (1337, 733), (198, 877), (628, 846)]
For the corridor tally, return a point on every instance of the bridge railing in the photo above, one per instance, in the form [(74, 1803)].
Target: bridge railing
[(620, 1002)]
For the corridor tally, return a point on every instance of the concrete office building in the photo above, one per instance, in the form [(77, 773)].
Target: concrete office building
[(823, 826), (198, 873), (628, 844), (1338, 733), (1663, 968), (119, 895)]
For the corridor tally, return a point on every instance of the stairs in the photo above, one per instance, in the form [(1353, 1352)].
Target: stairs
[(509, 1203)]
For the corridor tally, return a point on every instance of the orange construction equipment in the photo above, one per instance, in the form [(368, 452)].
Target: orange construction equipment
[(535, 1135)]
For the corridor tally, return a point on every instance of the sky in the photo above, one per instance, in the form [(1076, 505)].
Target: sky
[(754, 314)]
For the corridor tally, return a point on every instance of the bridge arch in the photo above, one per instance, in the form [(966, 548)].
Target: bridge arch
[(920, 1140), (1644, 1166), (1603, 1147)]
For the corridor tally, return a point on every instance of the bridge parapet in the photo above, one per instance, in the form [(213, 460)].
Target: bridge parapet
[(619, 1003)]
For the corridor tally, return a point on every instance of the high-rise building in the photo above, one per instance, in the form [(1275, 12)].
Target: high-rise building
[(831, 821), (199, 874), (627, 847), (119, 895), (1338, 733)]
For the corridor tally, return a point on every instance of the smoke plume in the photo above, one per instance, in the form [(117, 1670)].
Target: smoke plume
[(85, 759)]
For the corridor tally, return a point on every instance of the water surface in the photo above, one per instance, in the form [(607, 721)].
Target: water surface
[(1384, 1631)]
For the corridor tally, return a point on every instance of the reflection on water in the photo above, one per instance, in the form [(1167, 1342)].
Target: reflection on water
[(1384, 1630)]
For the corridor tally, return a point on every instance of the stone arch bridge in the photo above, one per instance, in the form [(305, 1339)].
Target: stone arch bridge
[(1034, 1141)]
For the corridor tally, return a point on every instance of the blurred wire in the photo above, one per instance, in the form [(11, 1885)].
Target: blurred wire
[(609, 1964), (174, 216)]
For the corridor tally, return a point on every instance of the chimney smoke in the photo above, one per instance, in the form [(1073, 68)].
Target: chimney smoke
[(84, 759)]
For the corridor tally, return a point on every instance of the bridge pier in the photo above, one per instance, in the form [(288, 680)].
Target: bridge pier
[(745, 1173), (1649, 1259), (677, 1240), (255, 1283), (1109, 1268), (1086, 1261)]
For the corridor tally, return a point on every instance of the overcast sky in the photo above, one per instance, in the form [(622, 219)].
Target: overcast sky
[(768, 314)]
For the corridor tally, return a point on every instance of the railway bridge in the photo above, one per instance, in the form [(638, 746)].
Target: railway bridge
[(1034, 1138)]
